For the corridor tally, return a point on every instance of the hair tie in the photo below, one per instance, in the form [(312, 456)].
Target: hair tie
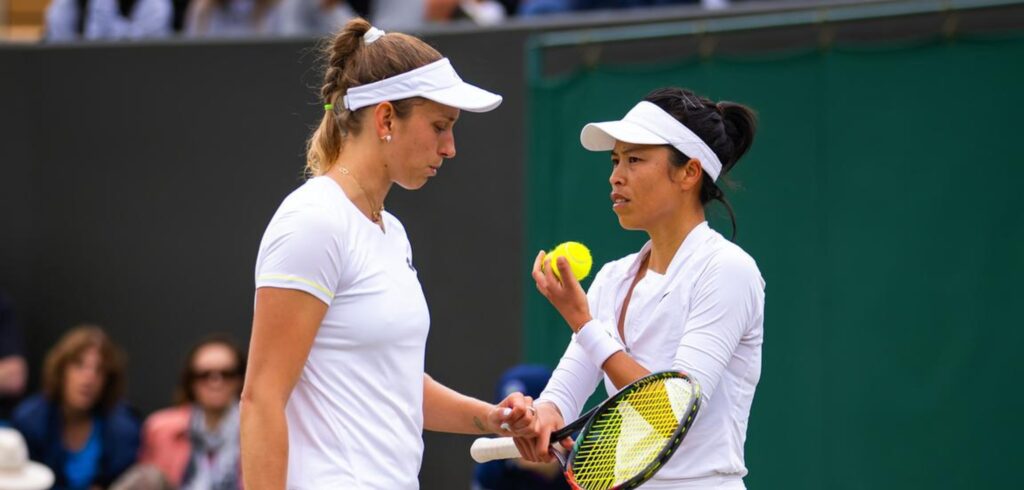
[(372, 35), (328, 107)]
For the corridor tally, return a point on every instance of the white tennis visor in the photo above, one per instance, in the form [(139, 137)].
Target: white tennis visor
[(436, 81), (648, 124)]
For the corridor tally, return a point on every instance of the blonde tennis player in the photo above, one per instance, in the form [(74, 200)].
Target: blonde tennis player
[(335, 395), (689, 300)]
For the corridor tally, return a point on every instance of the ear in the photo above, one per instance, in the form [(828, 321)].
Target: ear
[(383, 115), (689, 176)]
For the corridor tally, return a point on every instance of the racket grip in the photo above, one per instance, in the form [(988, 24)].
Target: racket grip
[(487, 449)]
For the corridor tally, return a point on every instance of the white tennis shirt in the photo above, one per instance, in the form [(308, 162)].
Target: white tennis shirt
[(705, 317), (355, 417)]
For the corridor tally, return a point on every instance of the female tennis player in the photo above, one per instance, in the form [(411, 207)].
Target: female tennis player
[(689, 300), (335, 394)]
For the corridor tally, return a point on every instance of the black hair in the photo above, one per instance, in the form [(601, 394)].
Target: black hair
[(726, 127)]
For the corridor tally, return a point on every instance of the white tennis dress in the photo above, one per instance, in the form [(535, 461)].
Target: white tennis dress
[(355, 417)]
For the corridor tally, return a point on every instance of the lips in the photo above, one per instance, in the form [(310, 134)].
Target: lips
[(619, 200)]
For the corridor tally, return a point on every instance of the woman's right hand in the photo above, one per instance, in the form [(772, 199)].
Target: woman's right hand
[(534, 440)]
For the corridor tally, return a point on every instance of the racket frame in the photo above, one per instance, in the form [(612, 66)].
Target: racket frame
[(588, 419)]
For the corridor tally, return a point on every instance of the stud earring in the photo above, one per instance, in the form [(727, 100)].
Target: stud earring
[(386, 138)]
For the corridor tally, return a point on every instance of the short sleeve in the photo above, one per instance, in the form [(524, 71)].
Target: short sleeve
[(302, 250)]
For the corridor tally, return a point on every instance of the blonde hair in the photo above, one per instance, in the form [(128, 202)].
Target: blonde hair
[(349, 62)]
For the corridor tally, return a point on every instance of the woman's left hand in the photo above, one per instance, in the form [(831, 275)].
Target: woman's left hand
[(567, 295)]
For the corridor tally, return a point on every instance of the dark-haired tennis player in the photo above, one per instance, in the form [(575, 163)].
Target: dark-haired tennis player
[(335, 395), (689, 300)]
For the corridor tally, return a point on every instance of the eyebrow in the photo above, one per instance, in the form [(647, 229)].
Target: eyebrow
[(628, 149)]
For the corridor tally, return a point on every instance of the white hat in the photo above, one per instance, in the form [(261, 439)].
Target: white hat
[(436, 81), (648, 124), (16, 471)]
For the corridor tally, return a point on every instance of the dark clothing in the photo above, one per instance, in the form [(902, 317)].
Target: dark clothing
[(506, 475), (41, 423)]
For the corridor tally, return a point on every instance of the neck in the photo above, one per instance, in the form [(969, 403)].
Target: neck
[(214, 417), (668, 236), (362, 158), (74, 416)]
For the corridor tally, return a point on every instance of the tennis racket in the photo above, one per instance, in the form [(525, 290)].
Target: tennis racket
[(625, 440)]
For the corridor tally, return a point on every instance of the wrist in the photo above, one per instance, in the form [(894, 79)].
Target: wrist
[(577, 324), (597, 342)]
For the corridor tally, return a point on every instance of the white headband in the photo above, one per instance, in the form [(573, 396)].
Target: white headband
[(372, 35), (648, 124), (436, 81)]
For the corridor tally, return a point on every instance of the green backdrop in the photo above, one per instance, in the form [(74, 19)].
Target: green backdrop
[(883, 203)]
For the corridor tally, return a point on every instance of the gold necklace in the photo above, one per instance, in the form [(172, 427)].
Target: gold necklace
[(374, 211)]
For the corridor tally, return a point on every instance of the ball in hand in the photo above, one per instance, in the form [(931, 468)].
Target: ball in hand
[(578, 256)]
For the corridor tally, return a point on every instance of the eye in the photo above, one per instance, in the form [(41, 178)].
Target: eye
[(633, 159), (615, 162)]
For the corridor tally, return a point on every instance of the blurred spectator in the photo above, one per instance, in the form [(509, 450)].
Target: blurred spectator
[(13, 370), (483, 12), (517, 474), (541, 7), (108, 19), (78, 426), (195, 444), (16, 471), (312, 17), (230, 18)]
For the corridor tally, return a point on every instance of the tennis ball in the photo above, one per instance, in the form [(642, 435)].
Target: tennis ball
[(578, 256)]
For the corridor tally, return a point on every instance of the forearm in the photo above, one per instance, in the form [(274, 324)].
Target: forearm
[(264, 444), (446, 410), (622, 369)]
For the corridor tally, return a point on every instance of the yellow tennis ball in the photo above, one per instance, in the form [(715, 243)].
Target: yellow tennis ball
[(578, 256)]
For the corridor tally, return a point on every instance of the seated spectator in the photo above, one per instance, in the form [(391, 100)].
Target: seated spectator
[(481, 12), (230, 18), (541, 7), (518, 474), (78, 426), (196, 444), (13, 370), (16, 471), (312, 17), (108, 19)]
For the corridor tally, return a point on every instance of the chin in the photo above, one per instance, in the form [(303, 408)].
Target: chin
[(412, 186)]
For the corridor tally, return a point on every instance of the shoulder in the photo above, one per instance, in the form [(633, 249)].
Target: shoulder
[(616, 268), (31, 416), (172, 419), (123, 420), (315, 208), (727, 262)]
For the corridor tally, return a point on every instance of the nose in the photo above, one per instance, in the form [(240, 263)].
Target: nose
[(616, 178), (447, 149)]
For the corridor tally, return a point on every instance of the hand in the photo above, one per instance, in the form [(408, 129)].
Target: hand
[(534, 440), (567, 295), (513, 414)]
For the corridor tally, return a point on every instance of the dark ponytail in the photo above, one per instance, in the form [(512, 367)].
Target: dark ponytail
[(726, 127)]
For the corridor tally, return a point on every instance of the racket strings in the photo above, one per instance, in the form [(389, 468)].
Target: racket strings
[(624, 440)]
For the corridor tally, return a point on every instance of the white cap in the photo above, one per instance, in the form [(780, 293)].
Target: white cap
[(436, 81), (16, 471), (648, 124)]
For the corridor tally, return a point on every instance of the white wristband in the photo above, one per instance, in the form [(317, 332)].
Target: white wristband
[(597, 342)]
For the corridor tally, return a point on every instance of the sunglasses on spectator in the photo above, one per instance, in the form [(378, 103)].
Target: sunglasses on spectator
[(215, 374)]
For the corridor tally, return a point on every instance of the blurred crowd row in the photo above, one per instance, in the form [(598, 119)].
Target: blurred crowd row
[(68, 20), (81, 432)]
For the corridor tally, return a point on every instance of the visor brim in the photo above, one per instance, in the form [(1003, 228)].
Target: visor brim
[(603, 135), (466, 97), (34, 476)]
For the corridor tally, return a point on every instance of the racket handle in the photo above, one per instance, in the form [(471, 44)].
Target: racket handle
[(487, 449)]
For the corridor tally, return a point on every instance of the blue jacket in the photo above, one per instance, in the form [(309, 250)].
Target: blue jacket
[(40, 422)]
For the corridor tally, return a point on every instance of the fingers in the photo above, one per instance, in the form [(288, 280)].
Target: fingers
[(528, 418), (542, 447)]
